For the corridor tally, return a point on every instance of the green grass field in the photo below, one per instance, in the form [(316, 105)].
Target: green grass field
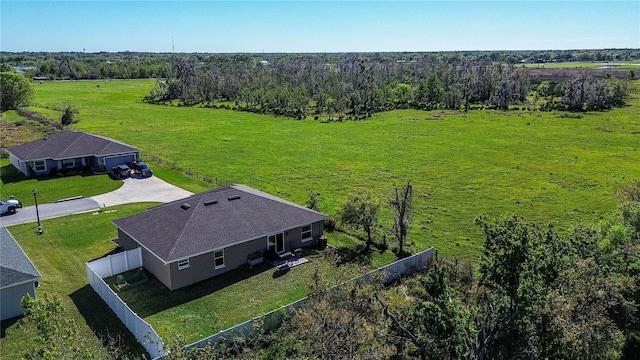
[(205, 308), (631, 65), (13, 183), (545, 166), (60, 255)]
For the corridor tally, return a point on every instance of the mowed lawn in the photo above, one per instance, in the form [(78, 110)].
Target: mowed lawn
[(544, 166), (203, 309), (13, 183), (60, 255)]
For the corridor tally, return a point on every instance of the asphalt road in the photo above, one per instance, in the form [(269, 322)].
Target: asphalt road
[(49, 210), (133, 190)]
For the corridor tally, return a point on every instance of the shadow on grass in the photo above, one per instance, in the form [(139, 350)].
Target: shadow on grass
[(279, 273), (360, 254), (103, 322), (5, 324), (153, 297), (11, 175)]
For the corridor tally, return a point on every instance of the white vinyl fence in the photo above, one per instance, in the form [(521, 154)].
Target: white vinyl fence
[(273, 319), (116, 264)]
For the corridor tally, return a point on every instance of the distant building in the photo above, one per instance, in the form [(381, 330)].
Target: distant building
[(70, 150), (23, 69)]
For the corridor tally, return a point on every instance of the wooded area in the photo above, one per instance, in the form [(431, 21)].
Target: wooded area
[(541, 294), (354, 87)]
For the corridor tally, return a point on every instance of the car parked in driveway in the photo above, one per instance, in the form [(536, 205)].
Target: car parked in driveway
[(121, 171), (141, 168), (9, 206)]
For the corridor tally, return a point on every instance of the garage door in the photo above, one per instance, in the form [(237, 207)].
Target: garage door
[(117, 160)]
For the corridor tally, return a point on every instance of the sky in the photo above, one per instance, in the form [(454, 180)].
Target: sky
[(317, 26)]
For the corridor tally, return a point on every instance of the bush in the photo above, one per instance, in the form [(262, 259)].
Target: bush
[(330, 224)]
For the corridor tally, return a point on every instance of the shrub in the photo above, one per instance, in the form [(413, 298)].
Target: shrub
[(330, 224)]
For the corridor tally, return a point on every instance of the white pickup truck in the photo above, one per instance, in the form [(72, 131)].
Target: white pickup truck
[(9, 206)]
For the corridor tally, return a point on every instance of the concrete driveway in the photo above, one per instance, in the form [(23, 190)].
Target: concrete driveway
[(133, 190), (136, 189)]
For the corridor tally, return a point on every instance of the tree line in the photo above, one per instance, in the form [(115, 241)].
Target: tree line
[(341, 85), (56, 62), (355, 86)]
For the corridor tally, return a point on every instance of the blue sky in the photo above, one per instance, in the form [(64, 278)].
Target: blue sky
[(317, 26)]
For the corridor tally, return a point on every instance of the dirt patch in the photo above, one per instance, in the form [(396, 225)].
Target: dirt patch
[(439, 115)]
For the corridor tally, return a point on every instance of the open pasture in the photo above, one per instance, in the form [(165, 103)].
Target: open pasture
[(545, 166)]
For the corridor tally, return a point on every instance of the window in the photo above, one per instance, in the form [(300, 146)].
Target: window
[(276, 242), (39, 165), (218, 259), (271, 242), (306, 233), (183, 264), (68, 163)]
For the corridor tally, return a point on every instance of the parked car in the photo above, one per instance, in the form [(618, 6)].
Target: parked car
[(10, 206), (141, 168), (121, 171)]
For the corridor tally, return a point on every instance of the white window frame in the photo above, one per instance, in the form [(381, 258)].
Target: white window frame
[(275, 242), (310, 231), (271, 244), (72, 161), (216, 257), (183, 264), (35, 165)]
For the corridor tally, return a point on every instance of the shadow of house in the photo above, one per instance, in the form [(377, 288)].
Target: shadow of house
[(153, 297), (70, 151)]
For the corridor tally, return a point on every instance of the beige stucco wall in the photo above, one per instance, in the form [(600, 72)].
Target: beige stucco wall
[(202, 267), (293, 238)]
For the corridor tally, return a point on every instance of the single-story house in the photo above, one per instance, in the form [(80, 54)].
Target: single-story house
[(210, 233), (70, 150), (18, 276)]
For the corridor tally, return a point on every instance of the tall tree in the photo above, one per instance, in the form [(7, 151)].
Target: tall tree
[(360, 212), (15, 90), (402, 207)]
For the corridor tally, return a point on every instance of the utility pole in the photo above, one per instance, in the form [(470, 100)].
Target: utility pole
[(35, 197)]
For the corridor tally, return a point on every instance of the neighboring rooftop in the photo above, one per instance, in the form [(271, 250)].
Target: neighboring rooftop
[(66, 145), (15, 266), (212, 220)]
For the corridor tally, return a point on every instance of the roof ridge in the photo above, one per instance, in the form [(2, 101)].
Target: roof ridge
[(251, 191), (108, 139), (178, 239), (194, 207), (18, 270), (69, 144)]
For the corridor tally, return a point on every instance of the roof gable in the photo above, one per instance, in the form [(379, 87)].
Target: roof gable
[(212, 220), (15, 266), (66, 145)]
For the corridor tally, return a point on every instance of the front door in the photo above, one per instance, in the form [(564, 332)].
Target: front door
[(276, 242)]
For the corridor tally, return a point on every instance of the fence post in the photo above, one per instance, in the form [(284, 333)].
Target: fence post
[(456, 274)]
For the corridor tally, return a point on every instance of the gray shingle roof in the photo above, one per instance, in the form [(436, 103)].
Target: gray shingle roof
[(66, 145), (214, 219), (15, 267)]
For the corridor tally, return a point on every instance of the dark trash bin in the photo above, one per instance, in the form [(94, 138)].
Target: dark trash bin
[(322, 242)]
